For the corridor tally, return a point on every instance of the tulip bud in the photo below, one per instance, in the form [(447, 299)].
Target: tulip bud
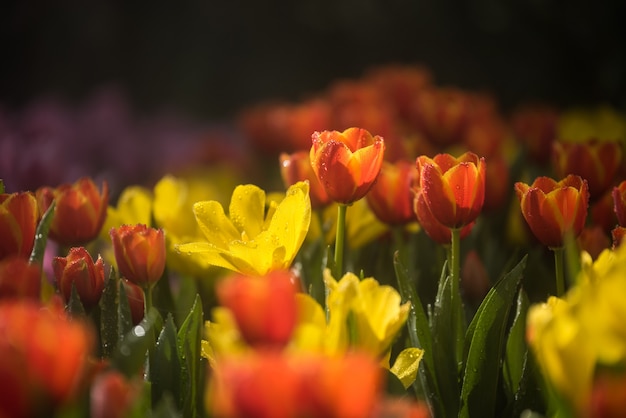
[(139, 253), (79, 212), (347, 163), (79, 270), (19, 215), (297, 167), (452, 188), (553, 209), (391, 198), (264, 307)]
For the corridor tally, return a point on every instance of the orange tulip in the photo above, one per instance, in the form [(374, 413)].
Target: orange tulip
[(19, 216), (391, 198), (43, 358), (438, 232), (553, 209), (264, 307), (134, 294), (79, 213), (79, 270), (452, 188), (279, 384), (139, 253), (19, 279), (297, 167), (347, 163), (597, 162)]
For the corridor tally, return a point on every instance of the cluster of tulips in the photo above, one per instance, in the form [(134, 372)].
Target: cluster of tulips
[(421, 256)]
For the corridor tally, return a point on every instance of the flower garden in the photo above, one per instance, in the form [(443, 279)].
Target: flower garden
[(389, 247)]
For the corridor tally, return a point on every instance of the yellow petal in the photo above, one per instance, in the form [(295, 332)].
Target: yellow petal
[(406, 365), (214, 224), (247, 210), (290, 222)]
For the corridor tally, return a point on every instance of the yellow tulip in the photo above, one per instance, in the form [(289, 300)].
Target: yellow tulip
[(374, 313), (257, 236)]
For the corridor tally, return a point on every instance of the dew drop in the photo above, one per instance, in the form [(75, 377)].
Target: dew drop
[(139, 331)]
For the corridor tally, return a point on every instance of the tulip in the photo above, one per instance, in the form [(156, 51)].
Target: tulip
[(79, 270), (438, 232), (112, 395), (134, 294), (263, 306), (139, 253), (554, 209), (453, 188), (441, 114), (347, 163), (19, 279), (391, 198), (19, 216), (43, 359), (597, 162), (297, 167), (619, 203), (79, 213)]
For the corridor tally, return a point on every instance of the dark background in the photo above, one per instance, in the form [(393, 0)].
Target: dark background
[(212, 58)]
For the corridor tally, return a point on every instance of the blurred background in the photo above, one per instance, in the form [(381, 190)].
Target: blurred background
[(211, 58)]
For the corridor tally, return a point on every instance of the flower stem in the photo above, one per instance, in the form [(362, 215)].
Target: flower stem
[(558, 266), (147, 299), (339, 240), (455, 290)]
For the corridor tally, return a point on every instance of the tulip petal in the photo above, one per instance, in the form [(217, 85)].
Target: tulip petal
[(438, 195)]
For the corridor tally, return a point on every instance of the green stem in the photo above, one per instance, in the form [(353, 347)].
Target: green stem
[(455, 283), (558, 265), (147, 299), (339, 240)]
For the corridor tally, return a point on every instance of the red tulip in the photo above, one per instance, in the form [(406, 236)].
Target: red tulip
[(43, 358), (453, 188), (79, 213), (391, 198), (347, 163), (139, 253), (554, 209), (595, 161), (438, 232), (264, 307), (619, 202), (297, 167), (19, 215), (79, 270)]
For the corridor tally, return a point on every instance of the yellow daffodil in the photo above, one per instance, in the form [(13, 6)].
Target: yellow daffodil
[(257, 236), (587, 328)]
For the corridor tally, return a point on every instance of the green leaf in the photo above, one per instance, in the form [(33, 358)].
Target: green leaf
[(485, 341), (444, 338), (189, 344), (394, 386), (185, 297), (131, 352), (41, 236), (516, 347), (420, 337), (165, 365), (1, 186), (115, 319), (74, 306)]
